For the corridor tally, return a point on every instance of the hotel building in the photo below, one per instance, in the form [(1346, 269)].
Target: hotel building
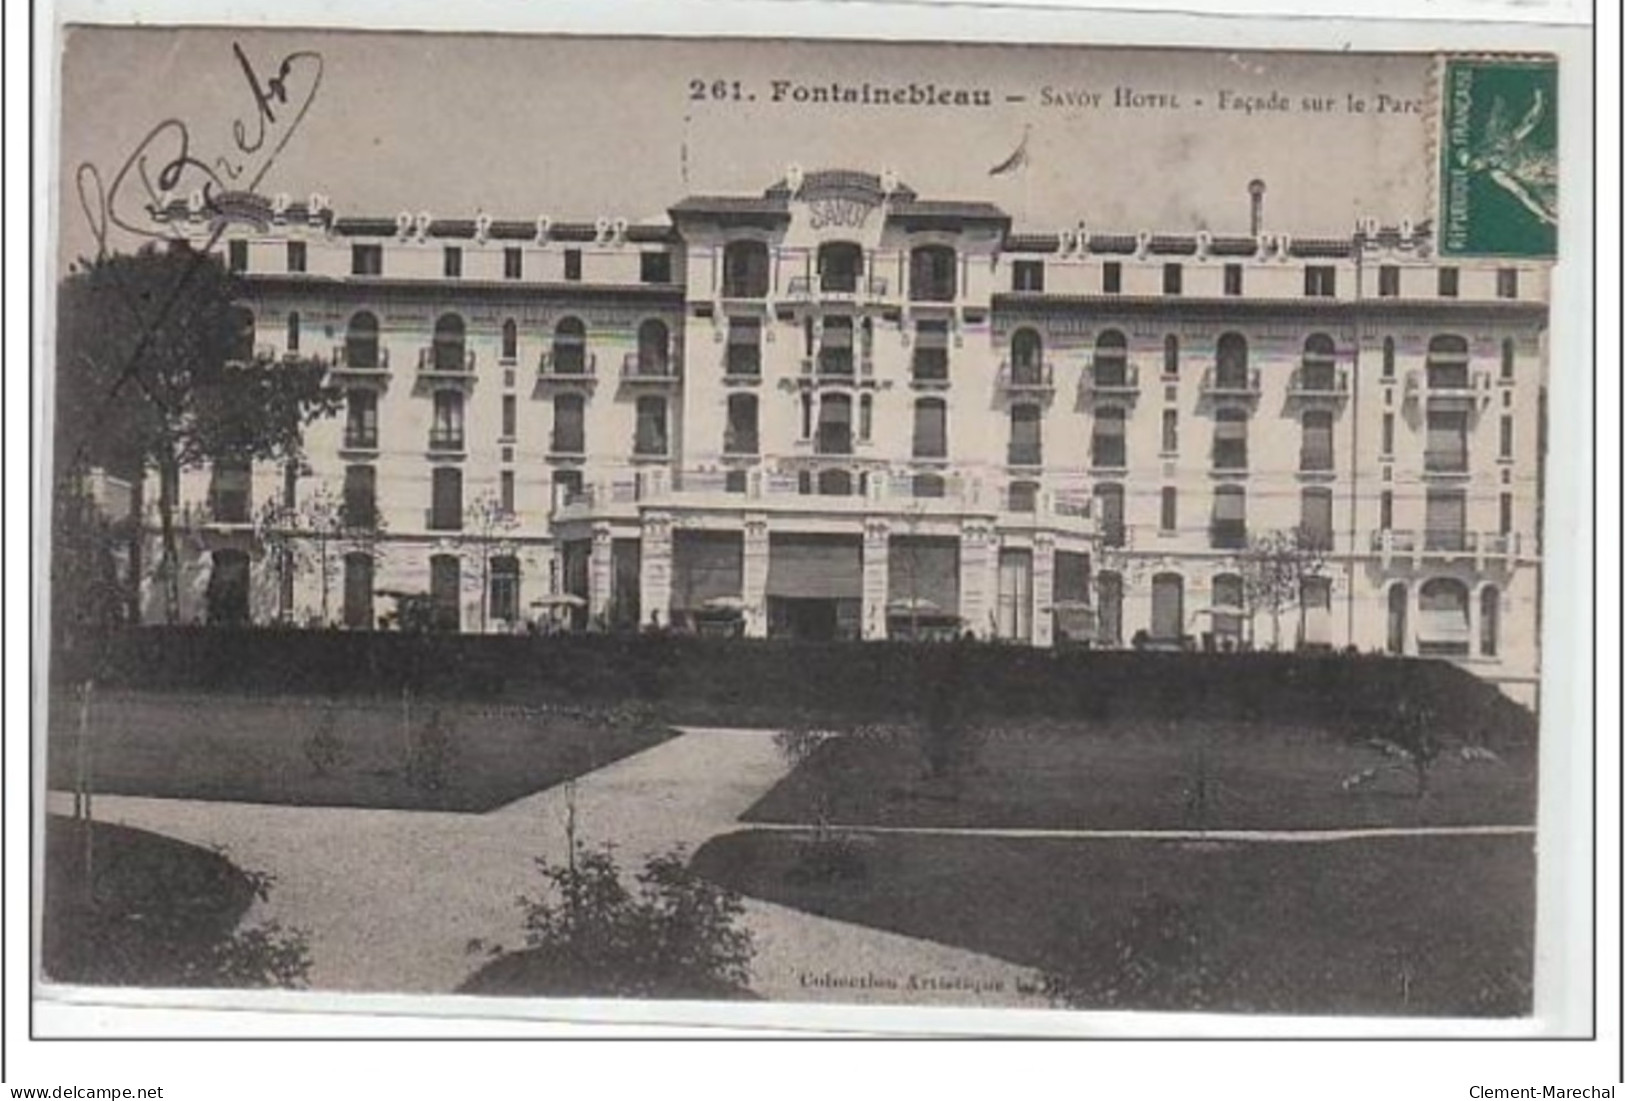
[(837, 409)]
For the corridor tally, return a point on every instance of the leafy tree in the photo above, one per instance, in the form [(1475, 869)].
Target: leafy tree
[(157, 370), (1273, 569)]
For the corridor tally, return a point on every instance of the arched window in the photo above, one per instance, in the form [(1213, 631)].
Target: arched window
[(358, 570), (1489, 621), (744, 269), (1443, 627), (1111, 359), (510, 341), (1026, 357), (1389, 357), (1230, 439), (1232, 373), (1167, 607), (931, 274), (1447, 363), (242, 335), (1109, 590), (654, 348), (449, 343), (741, 436), (840, 264), (1319, 363), (361, 341), (570, 347), (1398, 601), (1170, 356)]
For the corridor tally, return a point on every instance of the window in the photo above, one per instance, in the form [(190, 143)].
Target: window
[(654, 267), (930, 429), (1111, 359), (1388, 281), (359, 509), (1109, 588), (1026, 436), (506, 492), (569, 424), (744, 270), (1173, 278), (237, 255), (510, 341), (449, 344), (366, 259), (510, 416), (1167, 607), (1449, 282), (1315, 517), (1320, 281), (361, 342), (1388, 434), (1447, 363), (1489, 621), (1506, 437), (1014, 616), (1385, 510), (446, 433), (445, 585), (866, 417), (446, 502), (570, 347), (230, 498), (1442, 627), (1232, 279), (452, 262), (1229, 530), (1108, 446), (1230, 440), (1506, 514), (806, 416), (1229, 610), (1506, 283), (1231, 372), (296, 257), (931, 274), (293, 333), (572, 265), (504, 594), (1169, 522), (740, 437), (1318, 372), (1446, 520), (1389, 357), (743, 358), (1109, 516), (654, 349), (358, 569), (840, 265), (1111, 277), (1396, 619), (567, 484), (1027, 276), (1170, 356), (1023, 497), (1026, 357), (834, 425), (1446, 442), (1170, 431), (1315, 455), (1509, 359), (650, 437), (835, 347), (931, 351), (361, 418), (513, 263)]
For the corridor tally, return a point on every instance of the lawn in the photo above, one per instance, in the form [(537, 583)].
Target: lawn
[(1133, 774), (309, 751), (1424, 926), (156, 909)]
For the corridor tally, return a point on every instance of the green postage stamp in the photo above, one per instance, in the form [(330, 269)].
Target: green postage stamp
[(1498, 157)]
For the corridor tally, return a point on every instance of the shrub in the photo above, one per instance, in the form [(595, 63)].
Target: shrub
[(322, 746), (432, 755)]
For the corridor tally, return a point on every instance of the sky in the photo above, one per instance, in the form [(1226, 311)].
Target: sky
[(518, 126)]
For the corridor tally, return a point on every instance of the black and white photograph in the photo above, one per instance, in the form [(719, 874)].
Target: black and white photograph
[(782, 522)]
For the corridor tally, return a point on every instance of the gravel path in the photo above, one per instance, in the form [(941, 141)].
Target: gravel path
[(393, 899)]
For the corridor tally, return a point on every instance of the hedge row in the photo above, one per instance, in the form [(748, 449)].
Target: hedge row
[(742, 680)]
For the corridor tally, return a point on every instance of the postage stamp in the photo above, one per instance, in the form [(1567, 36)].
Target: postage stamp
[(796, 521)]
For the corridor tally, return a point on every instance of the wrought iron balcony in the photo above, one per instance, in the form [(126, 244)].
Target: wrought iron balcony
[(640, 370), (446, 439), (446, 360), (1111, 380), (1232, 385), (360, 362), (1450, 386), (1312, 385), (1026, 377), (576, 366)]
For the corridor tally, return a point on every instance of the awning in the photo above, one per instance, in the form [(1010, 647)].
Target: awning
[(820, 567)]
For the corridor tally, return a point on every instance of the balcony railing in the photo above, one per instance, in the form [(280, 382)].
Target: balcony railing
[(931, 290), (567, 366), (836, 365), (1121, 380), (446, 439), (651, 446), (361, 439), (1113, 533), (567, 443), (443, 360), (374, 361), (1239, 385), (637, 369), (1442, 542), (836, 286), (752, 288), (1026, 378), (1310, 384), (1449, 387)]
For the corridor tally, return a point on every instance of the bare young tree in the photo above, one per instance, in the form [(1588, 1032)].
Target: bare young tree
[(1273, 569), (314, 533), (486, 522)]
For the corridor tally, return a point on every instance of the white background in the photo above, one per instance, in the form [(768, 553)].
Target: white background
[(1253, 1069)]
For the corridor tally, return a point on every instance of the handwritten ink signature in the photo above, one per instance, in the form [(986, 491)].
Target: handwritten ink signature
[(163, 165)]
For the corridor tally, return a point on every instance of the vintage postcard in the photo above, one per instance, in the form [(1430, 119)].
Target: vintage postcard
[(792, 521)]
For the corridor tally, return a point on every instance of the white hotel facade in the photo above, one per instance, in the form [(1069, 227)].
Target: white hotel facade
[(848, 411)]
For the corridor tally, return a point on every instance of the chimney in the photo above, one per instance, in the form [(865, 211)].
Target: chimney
[(1255, 189)]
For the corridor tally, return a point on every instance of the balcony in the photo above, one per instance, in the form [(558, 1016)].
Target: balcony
[(836, 365), (360, 439), (446, 440), (639, 370), (570, 445), (745, 288), (1450, 387), (1319, 388), (650, 446), (1111, 381), (446, 361), (1446, 544), (836, 287), (1026, 379), (569, 367), (931, 290), (359, 364), (1232, 385)]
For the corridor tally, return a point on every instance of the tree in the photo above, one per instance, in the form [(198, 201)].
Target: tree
[(486, 521), (315, 532), (1273, 569), (157, 371)]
